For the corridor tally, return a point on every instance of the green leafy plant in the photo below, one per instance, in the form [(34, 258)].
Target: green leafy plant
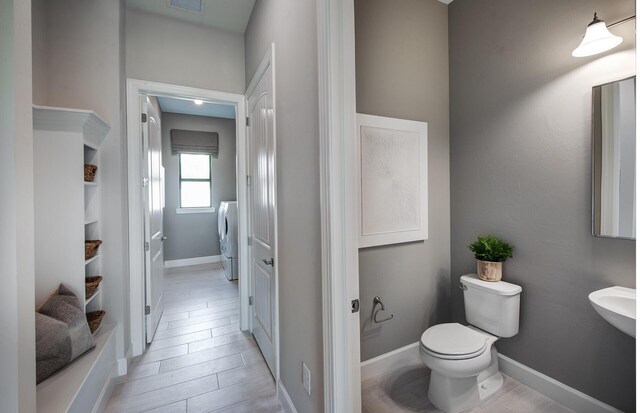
[(491, 248)]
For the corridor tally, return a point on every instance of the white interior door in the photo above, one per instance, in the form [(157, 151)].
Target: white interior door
[(153, 200), (262, 210)]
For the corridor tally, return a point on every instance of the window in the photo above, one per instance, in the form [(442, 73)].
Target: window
[(195, 181)]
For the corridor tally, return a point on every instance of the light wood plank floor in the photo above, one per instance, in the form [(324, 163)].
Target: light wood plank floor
[(405, 390), (199, 361)]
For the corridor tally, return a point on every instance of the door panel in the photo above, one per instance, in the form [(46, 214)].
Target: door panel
[(154, 260), (261, 168), (263, 307)]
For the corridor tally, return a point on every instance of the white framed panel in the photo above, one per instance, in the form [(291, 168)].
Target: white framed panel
[(392, 180)]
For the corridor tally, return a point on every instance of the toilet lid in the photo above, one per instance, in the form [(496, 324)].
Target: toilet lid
[(453, 339)]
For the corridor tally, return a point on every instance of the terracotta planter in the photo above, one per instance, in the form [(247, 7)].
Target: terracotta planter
[(489, 271)]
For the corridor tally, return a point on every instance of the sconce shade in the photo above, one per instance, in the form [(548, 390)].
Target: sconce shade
[(597, 39)]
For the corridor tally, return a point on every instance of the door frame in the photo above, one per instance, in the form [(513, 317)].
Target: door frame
[(269, 59), (135, 88), (338, 196)]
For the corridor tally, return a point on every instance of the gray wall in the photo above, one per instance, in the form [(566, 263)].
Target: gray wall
[(166, 50), (407, 82), (291, 24), (17, 358), (196, 235), (81, 45), (520, 168)]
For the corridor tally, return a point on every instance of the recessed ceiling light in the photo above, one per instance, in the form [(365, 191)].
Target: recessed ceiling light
[(198, 102)]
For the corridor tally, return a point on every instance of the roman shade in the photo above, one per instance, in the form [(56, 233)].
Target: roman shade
[(194, 142)]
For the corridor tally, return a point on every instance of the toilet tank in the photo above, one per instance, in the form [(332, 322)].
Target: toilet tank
[(492, 306)]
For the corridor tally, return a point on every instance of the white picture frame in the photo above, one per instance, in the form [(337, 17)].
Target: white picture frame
[(392, 180)]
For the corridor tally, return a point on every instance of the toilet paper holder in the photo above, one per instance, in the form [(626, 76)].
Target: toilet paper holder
[(378, 301)]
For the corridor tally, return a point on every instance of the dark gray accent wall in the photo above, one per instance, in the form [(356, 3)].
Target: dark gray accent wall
[(196, 235), (402, 71), (521, 168), (291, 24)]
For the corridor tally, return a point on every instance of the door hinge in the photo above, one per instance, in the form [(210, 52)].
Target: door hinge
[(145, 182), (147, 309), (248, 180), (146, 246), (355, 305), (250, 300), (248, 121), (144, 118), (249, 241)]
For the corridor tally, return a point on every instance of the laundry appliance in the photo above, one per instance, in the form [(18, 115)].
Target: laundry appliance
[(228, 236)]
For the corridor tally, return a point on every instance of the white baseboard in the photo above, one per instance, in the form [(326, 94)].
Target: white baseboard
[(384, 363), (192, 261), (553, 389), (123, 365), (285, 400)]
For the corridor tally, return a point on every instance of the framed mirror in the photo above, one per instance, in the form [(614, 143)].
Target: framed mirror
[(614, 151)]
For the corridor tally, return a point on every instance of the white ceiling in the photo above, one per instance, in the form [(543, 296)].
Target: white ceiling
[(229, 15), (188, 107)]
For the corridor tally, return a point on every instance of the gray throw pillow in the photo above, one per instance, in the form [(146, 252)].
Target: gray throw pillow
[(53, 346), (65, 307)]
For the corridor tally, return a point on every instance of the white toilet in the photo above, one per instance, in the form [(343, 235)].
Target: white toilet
[(462, 359)]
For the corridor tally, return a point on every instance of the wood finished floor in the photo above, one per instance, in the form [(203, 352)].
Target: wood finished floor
[(405, 390), (199, 361)]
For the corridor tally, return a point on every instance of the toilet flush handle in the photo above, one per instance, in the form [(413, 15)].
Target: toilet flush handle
[(462, 286)]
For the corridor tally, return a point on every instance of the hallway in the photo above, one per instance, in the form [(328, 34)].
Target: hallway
[(199, 360)]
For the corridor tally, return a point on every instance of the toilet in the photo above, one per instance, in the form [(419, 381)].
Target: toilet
[(463, 359)]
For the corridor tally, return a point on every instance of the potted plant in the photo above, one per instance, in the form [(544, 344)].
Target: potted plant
[(491, 252)]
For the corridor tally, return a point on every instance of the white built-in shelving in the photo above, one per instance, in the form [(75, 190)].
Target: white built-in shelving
[(67, 212), (67, 209)]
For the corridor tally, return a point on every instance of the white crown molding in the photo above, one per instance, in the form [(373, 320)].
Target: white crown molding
[(87, 122)]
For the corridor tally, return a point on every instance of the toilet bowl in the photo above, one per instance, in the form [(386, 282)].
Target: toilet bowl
[(463, 359), (464, 366)]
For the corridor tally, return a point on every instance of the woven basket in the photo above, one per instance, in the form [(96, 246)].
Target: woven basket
[(91, 248), (91, 286), (94, 318), (89, 172)]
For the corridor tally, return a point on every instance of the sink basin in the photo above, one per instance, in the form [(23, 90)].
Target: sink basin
[(617, 305)]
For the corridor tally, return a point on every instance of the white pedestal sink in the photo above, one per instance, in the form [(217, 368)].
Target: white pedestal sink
[(617, 305)]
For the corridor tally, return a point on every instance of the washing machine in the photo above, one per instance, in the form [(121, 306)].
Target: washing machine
[(228, 233)]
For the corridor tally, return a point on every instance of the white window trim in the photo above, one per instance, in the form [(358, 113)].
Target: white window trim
[(195, 210)]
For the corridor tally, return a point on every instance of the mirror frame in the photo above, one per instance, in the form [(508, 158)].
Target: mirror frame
[(593, 159)]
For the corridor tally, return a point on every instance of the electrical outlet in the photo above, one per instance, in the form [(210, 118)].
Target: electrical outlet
[(306, 378)]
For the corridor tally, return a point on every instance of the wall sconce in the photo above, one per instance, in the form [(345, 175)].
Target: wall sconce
[(597, 38)]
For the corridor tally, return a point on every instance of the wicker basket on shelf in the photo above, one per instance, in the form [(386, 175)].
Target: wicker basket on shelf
[(91, 285), (94, 318), (89, 172), (91, 248)]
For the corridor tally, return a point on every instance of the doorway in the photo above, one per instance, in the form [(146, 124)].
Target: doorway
[(190, 145), (136, 88), (257, 299)]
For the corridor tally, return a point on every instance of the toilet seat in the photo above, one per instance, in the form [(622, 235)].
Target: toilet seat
[(453, 341)]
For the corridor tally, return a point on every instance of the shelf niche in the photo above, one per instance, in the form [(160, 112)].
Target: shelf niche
[(67, 209)]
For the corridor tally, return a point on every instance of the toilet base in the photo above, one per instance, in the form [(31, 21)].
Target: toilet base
[(453, 395)]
